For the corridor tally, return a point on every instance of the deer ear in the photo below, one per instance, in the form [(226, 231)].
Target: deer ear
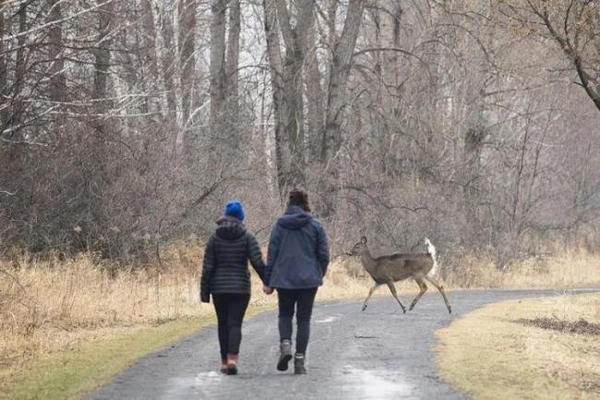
[(363, 240)]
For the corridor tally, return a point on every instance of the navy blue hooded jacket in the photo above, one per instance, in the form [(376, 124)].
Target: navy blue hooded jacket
[(298, 253)]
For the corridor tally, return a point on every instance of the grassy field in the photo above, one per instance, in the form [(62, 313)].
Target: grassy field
[(568, 268), (51, 309), (78, 369), (525, 349)]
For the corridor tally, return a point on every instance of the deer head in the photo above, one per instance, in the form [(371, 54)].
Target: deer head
[(359, 247)]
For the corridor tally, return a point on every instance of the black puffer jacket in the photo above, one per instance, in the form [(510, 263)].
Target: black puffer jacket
[(225, 266)]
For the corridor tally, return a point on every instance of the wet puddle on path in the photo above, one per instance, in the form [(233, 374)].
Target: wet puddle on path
[(373, 384), (183, 387), (326, 320)]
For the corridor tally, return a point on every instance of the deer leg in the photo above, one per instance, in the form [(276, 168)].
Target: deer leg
[(393, 290), (369, 296), (440, 288), (423, 288)]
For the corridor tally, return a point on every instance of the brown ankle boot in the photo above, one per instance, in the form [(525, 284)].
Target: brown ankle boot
[(223, 368), (232, 364)]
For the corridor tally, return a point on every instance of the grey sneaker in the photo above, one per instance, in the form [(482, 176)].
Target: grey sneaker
[(299, 368), (285, 356)]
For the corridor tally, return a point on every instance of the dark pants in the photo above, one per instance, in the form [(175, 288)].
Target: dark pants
[(303, 300), (230, 308)]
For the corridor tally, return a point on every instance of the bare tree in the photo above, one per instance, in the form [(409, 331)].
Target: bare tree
[(288, 73), (125, 124), (3, 71), (57, 76), (218, 75), (233, 57), (338, 79), (572, 24), (287, 82), (150, 50), (20, 68), (168, 63), (102, 60), (337, 101), (187, 60)]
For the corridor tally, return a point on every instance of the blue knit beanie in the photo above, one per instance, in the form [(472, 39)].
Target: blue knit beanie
[(235, 209)]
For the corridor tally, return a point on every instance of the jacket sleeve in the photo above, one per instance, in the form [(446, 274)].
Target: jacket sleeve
[(322, 249), (272, 253), (255, 257), (208, 266)]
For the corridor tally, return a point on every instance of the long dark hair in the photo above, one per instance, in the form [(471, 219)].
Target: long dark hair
[(298, 197)]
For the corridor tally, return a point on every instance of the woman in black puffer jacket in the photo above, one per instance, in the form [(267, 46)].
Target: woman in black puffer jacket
[(225, 275)]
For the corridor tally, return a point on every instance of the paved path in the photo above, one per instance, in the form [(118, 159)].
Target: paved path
[(376, 354)]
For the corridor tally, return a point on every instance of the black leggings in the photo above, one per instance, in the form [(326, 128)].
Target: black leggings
[(230, 308), (303, 299)]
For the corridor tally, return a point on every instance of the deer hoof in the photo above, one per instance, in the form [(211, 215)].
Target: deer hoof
[(449, 310), (403, 310), (364, 307)]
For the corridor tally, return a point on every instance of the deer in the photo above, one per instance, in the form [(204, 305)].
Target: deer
[(393, 268)]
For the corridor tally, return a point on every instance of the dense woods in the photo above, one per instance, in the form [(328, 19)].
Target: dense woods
[(126, 124)]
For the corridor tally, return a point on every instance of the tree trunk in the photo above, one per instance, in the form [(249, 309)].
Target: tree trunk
[(17, 110), (149, 52), (474, 137), (232, 61), (338, 79), (217, 66), (293, 38), (294, 119), (168, 63), (591, 87), (392, 58), (288, 87), (57, 77), (336, 101), (3, 80), (282, 155), (224, 61), (187, 59), (314, 96), (332, 38), (102, 59)]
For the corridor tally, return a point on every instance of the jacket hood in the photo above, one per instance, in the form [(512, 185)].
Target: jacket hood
[(230, 228), (294, 218)]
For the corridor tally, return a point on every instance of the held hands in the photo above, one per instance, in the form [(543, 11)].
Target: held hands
[(267, 290), (204, 298)]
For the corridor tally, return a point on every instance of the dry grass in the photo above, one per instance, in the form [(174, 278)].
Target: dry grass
[(48, 307), (490, 354), (572, 268)]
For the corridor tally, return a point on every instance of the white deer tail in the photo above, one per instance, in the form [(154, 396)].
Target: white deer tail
[(431, 251)]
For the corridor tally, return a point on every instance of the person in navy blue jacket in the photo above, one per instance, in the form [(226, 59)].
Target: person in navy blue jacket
[(297, 261)]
